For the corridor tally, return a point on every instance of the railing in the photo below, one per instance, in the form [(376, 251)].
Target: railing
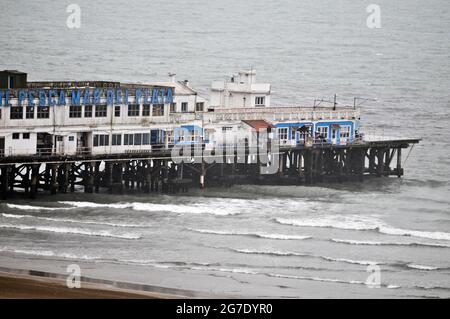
[(272, 114)]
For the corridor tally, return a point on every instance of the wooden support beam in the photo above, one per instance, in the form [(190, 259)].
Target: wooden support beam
[(53, 178), (399, 162), (34, 180)]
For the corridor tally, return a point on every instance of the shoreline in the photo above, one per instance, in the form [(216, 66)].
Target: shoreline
[(32, 284)]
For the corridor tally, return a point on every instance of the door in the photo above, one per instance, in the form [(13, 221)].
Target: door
[(335, 135), (2, 146), (59, 142)]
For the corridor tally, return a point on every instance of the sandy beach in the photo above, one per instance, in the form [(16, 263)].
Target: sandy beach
[(17, 286)]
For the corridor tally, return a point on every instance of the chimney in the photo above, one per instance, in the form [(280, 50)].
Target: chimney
[(172, 77)]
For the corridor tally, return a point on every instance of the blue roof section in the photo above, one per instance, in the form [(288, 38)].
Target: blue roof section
[(192, 127)]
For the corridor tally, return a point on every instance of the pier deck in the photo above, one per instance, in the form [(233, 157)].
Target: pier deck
[(157, 172)]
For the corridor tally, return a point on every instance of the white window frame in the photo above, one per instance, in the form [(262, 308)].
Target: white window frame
[(323, 130), (260, 101), (347, 132), (283, 131)]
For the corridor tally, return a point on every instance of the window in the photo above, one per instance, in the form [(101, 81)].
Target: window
[(43, 112), (75, 111), (101, 140), (60, 138), (138, 139), (29, 112), (322, 131), (169, 137), (173, 107), (15, 136), (133, 110), (226, 128), (146, 110), (117, 111), (117, 139), (260, 101), (128, 139), (26, 136), (71, 138), (146, 139), (199, 106), (16, 113), (88, 110), (184, 107), (345, 131), (283, 133), (158, 109), (101, 111), (194, 136)]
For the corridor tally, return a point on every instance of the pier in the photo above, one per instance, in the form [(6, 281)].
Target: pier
[(157, 172)]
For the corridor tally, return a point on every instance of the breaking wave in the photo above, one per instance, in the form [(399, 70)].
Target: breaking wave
[(48, 253), (29, 207), (150, 207), (423, 267), (360, 223), (377, 243), (257, 234), (73, 221), (290, 253), (69, 230)]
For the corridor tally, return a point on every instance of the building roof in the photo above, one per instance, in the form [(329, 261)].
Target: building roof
[(12, 72), (181, 87), (259, 124)]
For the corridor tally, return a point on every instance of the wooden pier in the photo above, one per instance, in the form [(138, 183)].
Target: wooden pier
[(157, 172)]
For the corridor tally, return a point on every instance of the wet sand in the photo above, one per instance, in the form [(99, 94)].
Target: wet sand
[(26, 287)]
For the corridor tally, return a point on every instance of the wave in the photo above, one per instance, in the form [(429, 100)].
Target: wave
[(353, 282), (422, 267), (48, 253), (290, 253), (187, 265), (379, 243), (73, 221), (29, 207), (68, 230), (94, 205), (361, 223), (150, 207), (259, 235)]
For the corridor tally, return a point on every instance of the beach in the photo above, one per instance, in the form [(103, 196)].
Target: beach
[(18, 287)]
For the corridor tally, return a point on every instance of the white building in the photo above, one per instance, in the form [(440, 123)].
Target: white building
[(241, 92), (67, 118)]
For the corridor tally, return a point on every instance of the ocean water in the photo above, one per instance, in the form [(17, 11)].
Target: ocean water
[(257, 241)]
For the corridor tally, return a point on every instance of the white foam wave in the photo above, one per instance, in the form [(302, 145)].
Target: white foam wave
[(422, 267), (94, 205), (150, 207), (48, 253), (255, 234), (414, 233), (69, 230), (270, 252), (354, 282), (361, 223), (290, 253), (65, 220), (29, 207), (379, 243), (350, 261), (230, 270), (341, 222)]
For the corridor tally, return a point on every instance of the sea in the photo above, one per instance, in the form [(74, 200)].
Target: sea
[(383, 238)]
